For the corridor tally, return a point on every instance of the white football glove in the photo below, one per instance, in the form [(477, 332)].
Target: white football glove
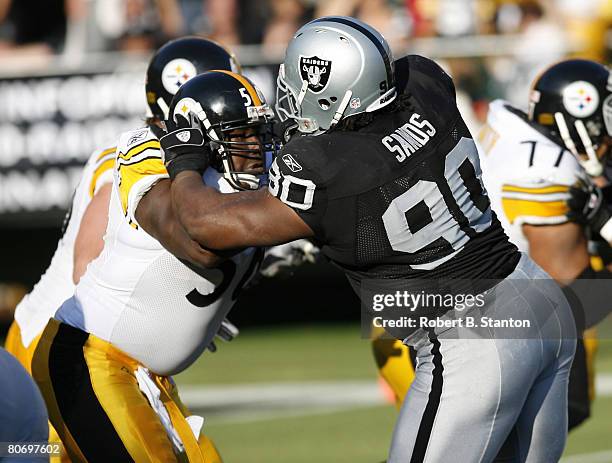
[(227, 332), (281, 259)]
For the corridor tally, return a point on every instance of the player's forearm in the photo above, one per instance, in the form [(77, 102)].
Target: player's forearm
[(156, 216), (182, 246), (203, 212), (233, 221), (561, 250)]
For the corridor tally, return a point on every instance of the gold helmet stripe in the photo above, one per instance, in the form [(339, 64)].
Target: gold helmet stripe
[(249, 87)]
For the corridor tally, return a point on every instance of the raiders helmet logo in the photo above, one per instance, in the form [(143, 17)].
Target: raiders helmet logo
[(315, 71)]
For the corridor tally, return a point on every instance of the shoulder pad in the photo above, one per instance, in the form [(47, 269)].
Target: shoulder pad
[(139, 166), (137, 136), (416, 64), (308, 157), (135, 142)]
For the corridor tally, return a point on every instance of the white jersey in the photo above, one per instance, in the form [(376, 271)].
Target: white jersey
[(527, 175), (138, 296), (56, 285)]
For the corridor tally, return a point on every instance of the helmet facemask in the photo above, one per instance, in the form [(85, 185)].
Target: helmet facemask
[(591, 164), (607, 113), (245, 150), (288, 104)]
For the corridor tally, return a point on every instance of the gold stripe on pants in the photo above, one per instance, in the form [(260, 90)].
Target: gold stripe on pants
[(100, 413)]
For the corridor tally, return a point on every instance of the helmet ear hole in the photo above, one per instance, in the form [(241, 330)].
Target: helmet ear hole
[(324, 104)]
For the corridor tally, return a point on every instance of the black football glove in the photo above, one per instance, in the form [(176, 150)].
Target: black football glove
[(588, 207), (184, 146)]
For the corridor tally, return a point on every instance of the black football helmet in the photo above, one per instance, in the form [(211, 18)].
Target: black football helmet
[(178, 61), (230, 108), (572, 99)]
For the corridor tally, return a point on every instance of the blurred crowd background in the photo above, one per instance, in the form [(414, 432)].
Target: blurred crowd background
[(492, 49)]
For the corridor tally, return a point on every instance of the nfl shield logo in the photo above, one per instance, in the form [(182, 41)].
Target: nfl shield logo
[(183, 136), (315, 71)]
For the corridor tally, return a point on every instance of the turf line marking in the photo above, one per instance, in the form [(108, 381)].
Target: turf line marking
[(243, 403), (603, 384), (251, 402), (281, 395), (595, 457)]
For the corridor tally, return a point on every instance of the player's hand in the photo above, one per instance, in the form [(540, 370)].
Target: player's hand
[(588, 207), (282, 259), (184, 146), (227, 332)]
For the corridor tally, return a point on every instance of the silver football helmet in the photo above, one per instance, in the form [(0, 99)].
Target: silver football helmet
[(334, 67)]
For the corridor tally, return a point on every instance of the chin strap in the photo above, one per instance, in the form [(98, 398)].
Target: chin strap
[(164, 107), (341, 108), (302, 93)]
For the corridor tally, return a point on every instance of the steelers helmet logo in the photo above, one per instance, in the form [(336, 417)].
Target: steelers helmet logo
[(176, 73), (315, 71), (580, 99), (185, 106)]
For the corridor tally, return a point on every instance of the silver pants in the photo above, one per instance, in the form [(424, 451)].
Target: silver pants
[(477, 390)]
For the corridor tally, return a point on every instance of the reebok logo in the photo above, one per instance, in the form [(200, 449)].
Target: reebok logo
[(293, 165), (137, 137)]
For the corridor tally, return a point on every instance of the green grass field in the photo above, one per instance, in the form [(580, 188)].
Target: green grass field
[(329, 353)]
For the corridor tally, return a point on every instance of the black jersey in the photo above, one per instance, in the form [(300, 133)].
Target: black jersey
[(401, 197)]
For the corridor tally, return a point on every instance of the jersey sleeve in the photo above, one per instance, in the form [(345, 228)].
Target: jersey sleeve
[(296, 179), (533, 174), (139, 167), (534, 203), (103, 170)]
